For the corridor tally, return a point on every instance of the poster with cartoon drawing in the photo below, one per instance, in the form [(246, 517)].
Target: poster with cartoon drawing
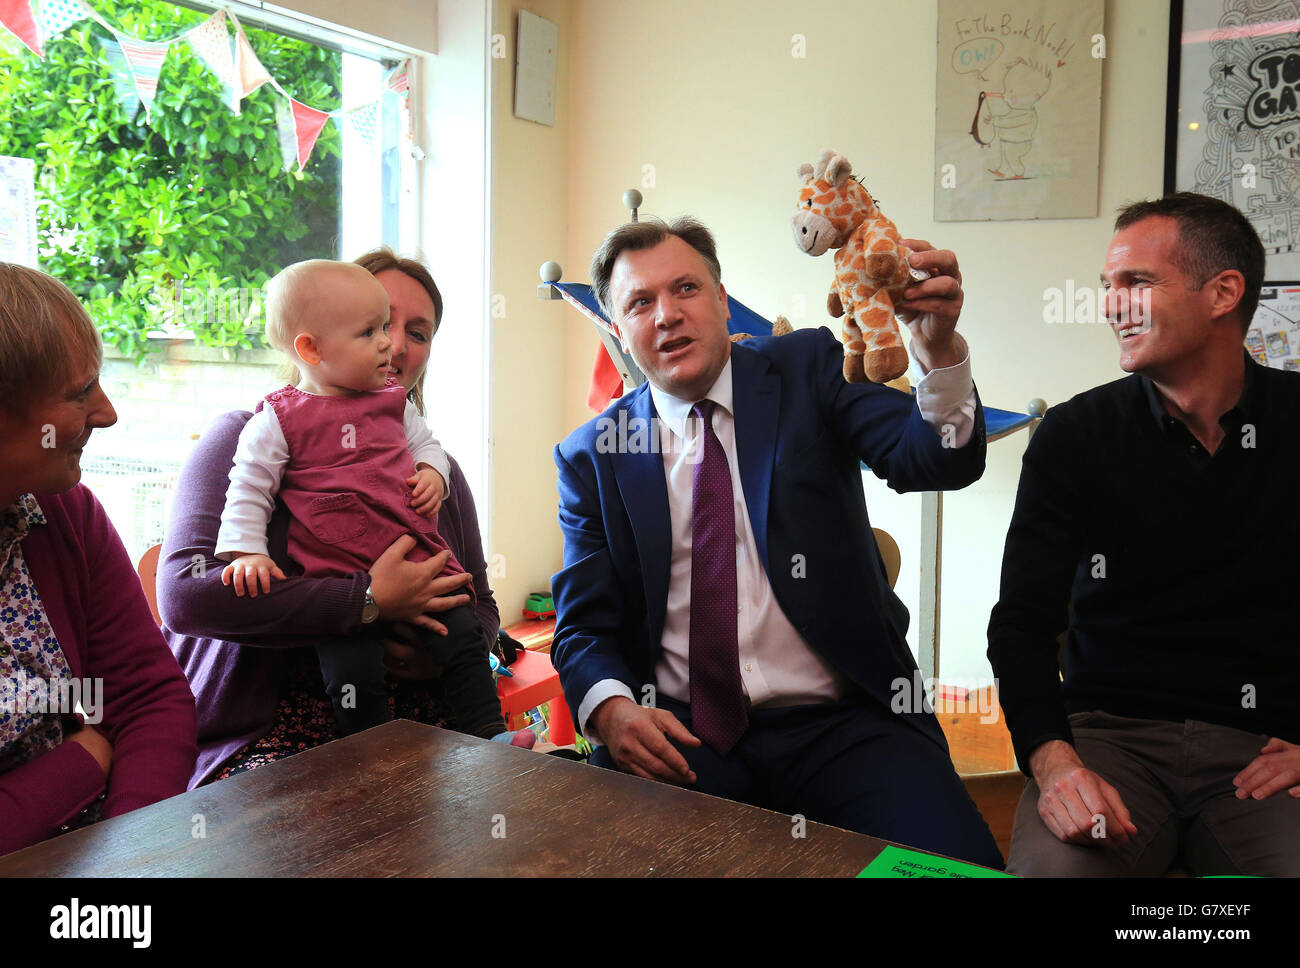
[(1018, 111), (1236, 134), (1274, 335), (18, 211)]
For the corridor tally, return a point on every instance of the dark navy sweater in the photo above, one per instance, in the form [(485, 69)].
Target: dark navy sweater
[(1183, 568)]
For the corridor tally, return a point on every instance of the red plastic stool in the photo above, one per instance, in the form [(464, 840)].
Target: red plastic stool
[(535, 681)]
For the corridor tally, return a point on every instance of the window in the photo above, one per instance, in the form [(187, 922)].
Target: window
[(166, 215)]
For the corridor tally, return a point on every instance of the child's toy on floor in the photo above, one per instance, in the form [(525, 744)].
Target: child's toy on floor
[(539, 605), (871, 267), (498, 667), (535, 719)]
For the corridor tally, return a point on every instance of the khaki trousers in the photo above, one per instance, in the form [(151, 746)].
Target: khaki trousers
[(1176, 780)]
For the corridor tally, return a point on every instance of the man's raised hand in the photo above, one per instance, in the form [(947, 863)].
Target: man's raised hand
[(931, 308)]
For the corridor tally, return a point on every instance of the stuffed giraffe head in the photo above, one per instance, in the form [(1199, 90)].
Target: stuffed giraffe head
[(831, 204), (871, 265)]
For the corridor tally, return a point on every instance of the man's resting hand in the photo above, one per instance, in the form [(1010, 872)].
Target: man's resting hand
[(635, 736), (1072, 800), (1276, 768)]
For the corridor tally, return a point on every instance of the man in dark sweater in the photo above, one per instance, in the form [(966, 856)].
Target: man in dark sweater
[(1160, 507)]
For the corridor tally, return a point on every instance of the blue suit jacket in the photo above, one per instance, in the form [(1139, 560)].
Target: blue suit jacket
[(800, 433)]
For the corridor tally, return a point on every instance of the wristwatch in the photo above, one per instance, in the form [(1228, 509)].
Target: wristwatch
[(369, 608)]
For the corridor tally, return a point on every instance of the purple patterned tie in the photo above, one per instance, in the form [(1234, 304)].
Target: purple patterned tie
[(718, 706)]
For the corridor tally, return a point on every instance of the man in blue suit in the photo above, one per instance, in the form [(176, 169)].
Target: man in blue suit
[(723, 615)]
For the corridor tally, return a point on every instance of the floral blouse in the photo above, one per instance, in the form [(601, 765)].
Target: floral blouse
[(31, 660)]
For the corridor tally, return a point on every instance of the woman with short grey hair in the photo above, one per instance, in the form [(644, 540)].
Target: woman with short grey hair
[(75, 627)]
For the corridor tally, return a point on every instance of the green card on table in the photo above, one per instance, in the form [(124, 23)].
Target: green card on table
[(899, 862)]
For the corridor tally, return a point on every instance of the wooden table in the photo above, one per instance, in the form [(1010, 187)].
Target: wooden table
[(407, 800)]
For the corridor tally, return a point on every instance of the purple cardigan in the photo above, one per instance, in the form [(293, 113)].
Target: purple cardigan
[(232, 650), (103, 623)]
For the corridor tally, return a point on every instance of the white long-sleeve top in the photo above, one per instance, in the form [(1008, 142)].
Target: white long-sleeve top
[(260, 459)]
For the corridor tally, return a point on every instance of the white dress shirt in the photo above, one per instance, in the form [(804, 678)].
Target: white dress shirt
[(777, 666), (260, 459)]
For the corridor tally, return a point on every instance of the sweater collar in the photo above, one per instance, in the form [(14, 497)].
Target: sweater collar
[(1247, 404)]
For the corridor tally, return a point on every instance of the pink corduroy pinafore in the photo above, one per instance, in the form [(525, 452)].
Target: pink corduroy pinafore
[(345, 483)]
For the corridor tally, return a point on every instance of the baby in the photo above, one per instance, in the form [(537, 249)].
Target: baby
[(356, 467)]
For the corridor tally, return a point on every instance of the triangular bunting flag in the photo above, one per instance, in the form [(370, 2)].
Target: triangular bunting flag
[(606, 382), (398, 80), (145, 58), (211, 42), (249, 74), (307, 123), (17, 16), (120, 72), (365, 122), (56, 16), (288, 133)]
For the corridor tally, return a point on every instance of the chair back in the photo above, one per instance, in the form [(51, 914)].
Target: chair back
[(147, 569), (889, 552)]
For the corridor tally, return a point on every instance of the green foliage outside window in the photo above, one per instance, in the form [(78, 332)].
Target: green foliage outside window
[(131, 213)]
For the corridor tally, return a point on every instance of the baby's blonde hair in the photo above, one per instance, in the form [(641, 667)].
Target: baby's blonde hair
[(290, 299)]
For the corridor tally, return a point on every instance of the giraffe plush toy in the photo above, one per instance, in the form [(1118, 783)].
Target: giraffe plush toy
[(871, 268)]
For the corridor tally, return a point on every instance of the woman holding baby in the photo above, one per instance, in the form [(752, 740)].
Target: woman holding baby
[(255, 661)]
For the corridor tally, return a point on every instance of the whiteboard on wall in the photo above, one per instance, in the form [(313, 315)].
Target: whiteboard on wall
[(535, 60)]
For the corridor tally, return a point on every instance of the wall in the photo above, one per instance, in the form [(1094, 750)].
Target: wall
[(530, 210), (710, 97)]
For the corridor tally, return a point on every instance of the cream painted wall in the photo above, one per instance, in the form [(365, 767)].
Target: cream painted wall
[(708, 95), (529, 337)]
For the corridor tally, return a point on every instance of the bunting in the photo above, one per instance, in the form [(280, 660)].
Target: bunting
[(365, 122), (120, 72), (398, 80), (56, 16), (16, 15), (249, 74), (299, 127), (134, 66), (211, 42), (145, 59)]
